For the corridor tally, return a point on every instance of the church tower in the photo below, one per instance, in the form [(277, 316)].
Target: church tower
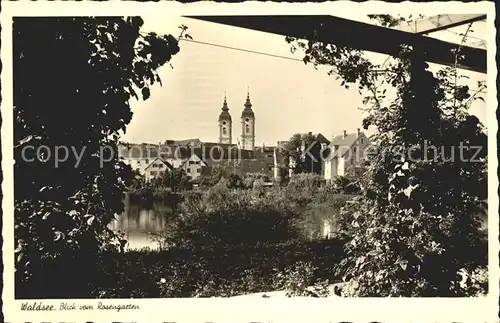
[(225, 124), (248, 126)]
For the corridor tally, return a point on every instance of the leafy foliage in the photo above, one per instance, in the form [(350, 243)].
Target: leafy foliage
[(304, 151), (175, 179), (393, 21), (223, 217), (219, 272), (73, 82), (416, 225), (344, 185), (300, 280)]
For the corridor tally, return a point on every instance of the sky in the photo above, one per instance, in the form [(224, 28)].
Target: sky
[(288, 96)]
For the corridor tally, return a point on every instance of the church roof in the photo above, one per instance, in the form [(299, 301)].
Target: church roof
[(224, 115), (247, 111)]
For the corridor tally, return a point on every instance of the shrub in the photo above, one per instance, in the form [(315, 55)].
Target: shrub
[(344, 185), (474, 282), (224, 217), (212, 271), (299, 280), (415, 227)]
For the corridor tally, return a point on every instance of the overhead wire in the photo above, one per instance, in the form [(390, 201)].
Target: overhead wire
[(273, 55)]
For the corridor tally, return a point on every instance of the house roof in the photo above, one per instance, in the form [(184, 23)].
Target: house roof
[(210, 153), (321, 138), (138, 151), (163, 161), (184, 142), (191, 157), (341, 144), (347, 141)]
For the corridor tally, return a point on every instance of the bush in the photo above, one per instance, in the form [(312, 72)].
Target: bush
[(300, 280), (224, 217), (344, 185), (213, 271)]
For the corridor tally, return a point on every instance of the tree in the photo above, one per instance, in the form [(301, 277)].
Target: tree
[(415, 227), (213, 178), (176, 179), (305, 152), (73, 81), (343, 185), (138, 180), (235, 181)]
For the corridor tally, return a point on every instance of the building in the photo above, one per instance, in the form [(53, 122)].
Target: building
[(156, 168), (247, 126), (279, 160), (346, 155), (193, 142), (246, 140), (197, 158), (193, 166), (138, 156), (225, 125), (144, 158)]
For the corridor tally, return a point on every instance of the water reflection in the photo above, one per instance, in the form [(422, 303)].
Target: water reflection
[(140, 224)]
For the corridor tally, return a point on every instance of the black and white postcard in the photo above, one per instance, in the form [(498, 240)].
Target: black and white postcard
[(250, 162)]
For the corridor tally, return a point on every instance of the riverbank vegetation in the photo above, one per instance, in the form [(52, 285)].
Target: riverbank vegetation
[(227, 241)]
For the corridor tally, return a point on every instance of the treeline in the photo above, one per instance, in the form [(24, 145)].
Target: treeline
[(170, 187)]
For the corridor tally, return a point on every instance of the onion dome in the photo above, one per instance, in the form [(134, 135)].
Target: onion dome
[(247, 111), (224, 115)]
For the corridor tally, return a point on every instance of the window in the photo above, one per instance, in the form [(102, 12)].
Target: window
[(224, 131), (247, 128), (270, 155), (188, 170), (361, 140), (191, 162), (138, 162), (197, 162), (147, 161), (160, 166), (198, 170)]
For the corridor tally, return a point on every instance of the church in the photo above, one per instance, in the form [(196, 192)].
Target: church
[(197, 158), (246, 140)]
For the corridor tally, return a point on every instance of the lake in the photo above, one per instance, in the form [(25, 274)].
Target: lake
[(139, 224)]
